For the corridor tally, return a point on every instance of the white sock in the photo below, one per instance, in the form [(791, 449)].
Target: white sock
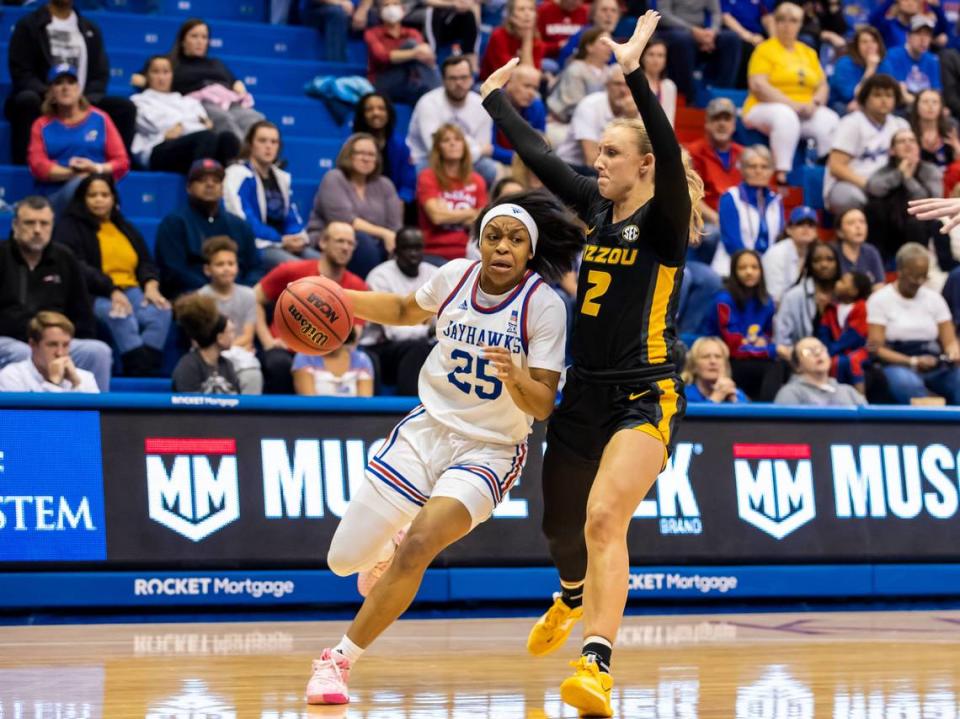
[(349, 650), (595, 639)]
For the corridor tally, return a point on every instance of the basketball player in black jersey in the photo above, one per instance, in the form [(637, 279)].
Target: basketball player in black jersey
[(623, 398)]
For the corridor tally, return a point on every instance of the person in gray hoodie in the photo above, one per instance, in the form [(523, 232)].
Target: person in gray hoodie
[(799, 310), (811, 384)]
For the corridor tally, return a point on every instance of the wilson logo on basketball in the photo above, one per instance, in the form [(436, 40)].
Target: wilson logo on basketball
[(307, 328), (185, 493), (774, 486)]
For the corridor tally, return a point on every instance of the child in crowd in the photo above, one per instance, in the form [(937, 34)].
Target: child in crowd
[(345, 372), (238, 304), (204, 369), (843, 329), (743, 319)]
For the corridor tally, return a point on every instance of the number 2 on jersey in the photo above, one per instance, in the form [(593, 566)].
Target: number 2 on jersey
[(486, 386), (599, 284)]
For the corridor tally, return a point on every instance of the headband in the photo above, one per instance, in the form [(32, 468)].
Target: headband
[(508, 209)]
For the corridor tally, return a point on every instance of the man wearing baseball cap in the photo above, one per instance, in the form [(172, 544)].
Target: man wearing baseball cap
[(180, 236), (913, 65), (55, 35), (716, 159), (782, 262)]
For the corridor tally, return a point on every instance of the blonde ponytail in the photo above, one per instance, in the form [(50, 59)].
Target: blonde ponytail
[(697, 192)]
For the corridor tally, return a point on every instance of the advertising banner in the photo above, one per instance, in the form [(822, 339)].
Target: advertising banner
[(258, 489), (51, 487)]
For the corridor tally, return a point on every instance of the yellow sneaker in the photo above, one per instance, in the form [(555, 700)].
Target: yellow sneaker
[(553, 628), (588, 690)]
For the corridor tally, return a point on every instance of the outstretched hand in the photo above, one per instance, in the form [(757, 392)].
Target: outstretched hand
[(946, 209), (628, 53), (498, 78)]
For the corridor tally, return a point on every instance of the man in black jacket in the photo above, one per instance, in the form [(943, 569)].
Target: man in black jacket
[(37, 275), (51, 35)]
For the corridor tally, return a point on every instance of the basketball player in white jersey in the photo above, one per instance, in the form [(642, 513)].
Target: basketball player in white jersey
[(495, 368)]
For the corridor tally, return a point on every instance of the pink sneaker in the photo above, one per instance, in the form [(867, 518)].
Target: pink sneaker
[(369, 577), (328, 685)]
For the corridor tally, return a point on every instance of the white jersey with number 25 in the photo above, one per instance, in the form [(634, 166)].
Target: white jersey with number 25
[(457, 385)]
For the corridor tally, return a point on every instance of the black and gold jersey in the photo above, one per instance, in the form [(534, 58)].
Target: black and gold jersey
[(630, 275)]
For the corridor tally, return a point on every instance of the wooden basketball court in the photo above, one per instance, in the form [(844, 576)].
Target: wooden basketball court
[(876, 665)]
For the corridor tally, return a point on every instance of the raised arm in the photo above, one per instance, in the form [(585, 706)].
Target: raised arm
[(670, 190), (572, 188)]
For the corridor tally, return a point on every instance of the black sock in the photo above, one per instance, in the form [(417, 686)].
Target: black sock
[(572, 596), (600, 653)]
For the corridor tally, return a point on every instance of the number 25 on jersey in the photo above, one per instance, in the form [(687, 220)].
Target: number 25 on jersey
[(465, 379)]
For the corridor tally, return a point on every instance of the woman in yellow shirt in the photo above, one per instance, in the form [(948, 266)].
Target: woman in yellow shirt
[(119, 272), (788, 92)]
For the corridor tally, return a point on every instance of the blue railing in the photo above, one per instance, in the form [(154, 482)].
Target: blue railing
[(386, 405)]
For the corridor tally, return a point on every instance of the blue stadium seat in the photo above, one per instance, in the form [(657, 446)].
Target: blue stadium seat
[(141, 384), (813, 186), (255, 10), (279, 77), (156, 34)]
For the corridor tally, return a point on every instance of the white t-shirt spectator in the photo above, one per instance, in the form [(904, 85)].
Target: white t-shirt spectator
[(25, 377), (328, 384), (868, 144), (908, 320), (68, 46), (781, 267), (434, 109), (387, 277), (590, 118)]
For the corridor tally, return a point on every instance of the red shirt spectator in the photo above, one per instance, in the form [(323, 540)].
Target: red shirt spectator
[(448, 241), (950, 178), (275, 281), (558, 21), (502, 47), (381, 42), (718, 176)]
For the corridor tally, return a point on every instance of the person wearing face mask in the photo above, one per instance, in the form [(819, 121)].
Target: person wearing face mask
[(401, 349), (120, 274), (401, 64)]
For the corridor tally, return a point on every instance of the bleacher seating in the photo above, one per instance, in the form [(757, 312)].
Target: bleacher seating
[(274, 61)]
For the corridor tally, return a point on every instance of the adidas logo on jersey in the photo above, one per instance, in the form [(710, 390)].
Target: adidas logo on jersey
[(512, 323), (462, 305)]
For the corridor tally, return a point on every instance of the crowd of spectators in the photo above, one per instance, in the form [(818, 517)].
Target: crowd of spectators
[(781, 301)]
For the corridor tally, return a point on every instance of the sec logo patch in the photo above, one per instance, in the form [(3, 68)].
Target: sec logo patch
[(630, 233)]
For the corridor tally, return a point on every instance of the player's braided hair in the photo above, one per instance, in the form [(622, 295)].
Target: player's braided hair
[(561, 237)]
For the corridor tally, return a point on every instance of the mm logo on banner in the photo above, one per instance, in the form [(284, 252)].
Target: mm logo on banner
[(185, 492), (774, 486)]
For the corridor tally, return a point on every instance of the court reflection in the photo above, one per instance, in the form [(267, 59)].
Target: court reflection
[(839, 666)]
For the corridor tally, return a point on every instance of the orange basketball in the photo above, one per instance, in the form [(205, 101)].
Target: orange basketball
[(313, 316)]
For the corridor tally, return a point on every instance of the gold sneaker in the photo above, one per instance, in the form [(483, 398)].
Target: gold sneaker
[(553, 628), (588, 690)]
